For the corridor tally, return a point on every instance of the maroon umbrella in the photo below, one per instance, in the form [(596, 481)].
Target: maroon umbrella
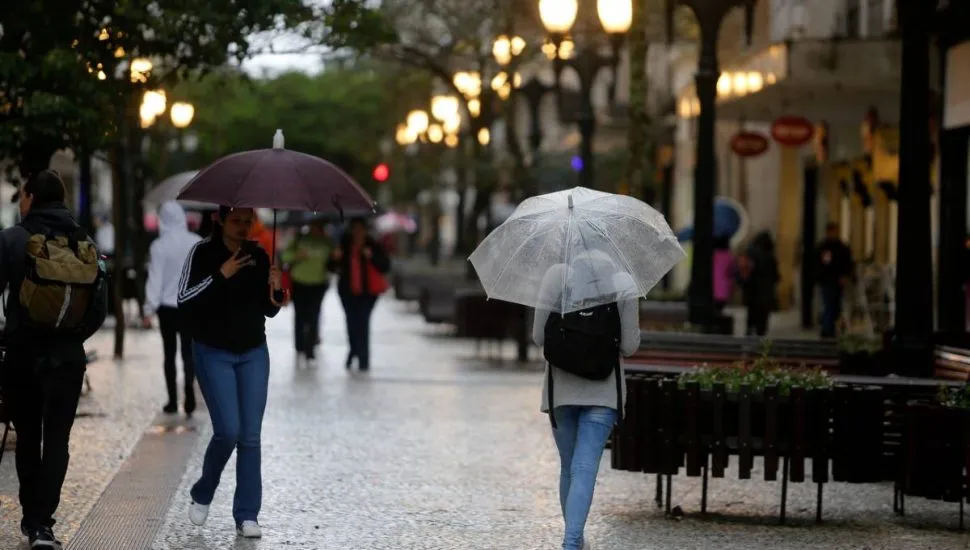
[(279, 179)]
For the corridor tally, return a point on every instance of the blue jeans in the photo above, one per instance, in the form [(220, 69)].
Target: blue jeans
[(580, 435), (831, 308), (234, 386)]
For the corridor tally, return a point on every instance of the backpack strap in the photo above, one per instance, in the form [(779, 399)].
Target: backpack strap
[(619, 393), (552, 410)]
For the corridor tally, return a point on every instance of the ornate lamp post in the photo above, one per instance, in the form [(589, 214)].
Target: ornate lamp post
[(558, 17), (710, 15)]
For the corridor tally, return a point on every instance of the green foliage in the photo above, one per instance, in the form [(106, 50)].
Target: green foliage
[(341, 114), (759, 374), (51, 96), (859, 343), (957, 398)]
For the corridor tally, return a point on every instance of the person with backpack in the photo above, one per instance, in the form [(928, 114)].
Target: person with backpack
[(227, 290), (57, 299), (584, 388), (166, 257)]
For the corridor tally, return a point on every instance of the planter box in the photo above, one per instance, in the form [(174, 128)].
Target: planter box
[(864, 363), (935, 452)]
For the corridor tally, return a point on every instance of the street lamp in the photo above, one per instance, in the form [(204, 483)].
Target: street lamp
[(181, 114), (558, 17), (709, 15), (533, 91), (418, 121)]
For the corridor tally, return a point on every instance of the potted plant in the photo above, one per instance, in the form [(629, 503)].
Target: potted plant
[(860, 354), (936, 445)]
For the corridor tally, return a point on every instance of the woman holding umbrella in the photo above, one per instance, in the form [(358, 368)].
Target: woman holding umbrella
[(227, 290), (582, 259), (361, 264)]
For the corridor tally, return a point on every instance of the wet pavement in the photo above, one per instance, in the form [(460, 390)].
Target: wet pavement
[(438, 448)]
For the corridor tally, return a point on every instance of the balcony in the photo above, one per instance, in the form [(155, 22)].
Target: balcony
[(819, 79)]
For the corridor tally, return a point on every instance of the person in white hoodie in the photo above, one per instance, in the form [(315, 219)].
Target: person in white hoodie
[(167, 256)]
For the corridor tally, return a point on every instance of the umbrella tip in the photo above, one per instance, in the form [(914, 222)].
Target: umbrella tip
[(278, 139), (570, 198)]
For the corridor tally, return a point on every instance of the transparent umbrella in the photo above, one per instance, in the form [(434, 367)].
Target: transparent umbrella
[(575, 249)]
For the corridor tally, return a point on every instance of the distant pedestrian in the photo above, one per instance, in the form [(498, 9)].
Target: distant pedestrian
[(228, 288), (307, 256), (167, 255), (48, 318), (834, 269), (361, 265), (759, 281), (725, 271), (581, 347)]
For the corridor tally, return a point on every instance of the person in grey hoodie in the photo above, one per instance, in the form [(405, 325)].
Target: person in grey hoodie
[(167, 256), (585, 411)]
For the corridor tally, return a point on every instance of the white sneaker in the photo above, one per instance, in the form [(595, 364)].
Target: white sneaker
[(250, 530), (198, 513)]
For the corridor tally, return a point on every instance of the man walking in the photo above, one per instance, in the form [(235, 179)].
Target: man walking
[(834, 273), (48, 319)]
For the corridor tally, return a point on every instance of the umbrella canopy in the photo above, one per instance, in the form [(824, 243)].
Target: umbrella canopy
[(590, 248), (395, 222), (279, 179), (169, 189), (730, 221)]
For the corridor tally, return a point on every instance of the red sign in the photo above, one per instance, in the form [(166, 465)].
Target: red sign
[(749, 144), (792, 131), (381, 172)]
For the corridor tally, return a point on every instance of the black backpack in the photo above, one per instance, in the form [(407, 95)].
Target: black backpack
[(585, 343)]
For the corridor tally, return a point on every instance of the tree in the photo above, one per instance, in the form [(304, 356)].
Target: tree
[(62, 71), (440, 38), (647, 26), (341, 114)]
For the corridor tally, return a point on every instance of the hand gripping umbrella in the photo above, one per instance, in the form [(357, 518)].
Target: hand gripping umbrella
[(280, 179)]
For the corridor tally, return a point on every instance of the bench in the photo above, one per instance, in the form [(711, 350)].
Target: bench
[(687, 350), (951, 363), (482, 319)]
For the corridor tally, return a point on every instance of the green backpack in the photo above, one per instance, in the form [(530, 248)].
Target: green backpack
[(64, 287)]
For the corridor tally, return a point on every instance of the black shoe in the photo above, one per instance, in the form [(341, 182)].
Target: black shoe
[(350, 361), (43, 539), (171, 408)]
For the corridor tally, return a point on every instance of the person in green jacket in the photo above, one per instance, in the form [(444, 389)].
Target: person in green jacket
[(306, 257)]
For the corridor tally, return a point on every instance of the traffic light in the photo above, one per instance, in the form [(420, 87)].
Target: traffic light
[(381, 173)]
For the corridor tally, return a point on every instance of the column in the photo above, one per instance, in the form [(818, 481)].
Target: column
[(914, 279)]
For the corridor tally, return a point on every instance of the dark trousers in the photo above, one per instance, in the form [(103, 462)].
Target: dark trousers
[(758, 319), (172, 332), (831, 308), (358, 310), (307, 301), (42, 405)]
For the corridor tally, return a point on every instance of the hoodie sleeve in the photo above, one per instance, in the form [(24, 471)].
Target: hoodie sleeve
[(201, 283), (153, 285)]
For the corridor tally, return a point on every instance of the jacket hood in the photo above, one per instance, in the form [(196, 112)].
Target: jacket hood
[(54, 216), (171, 218)]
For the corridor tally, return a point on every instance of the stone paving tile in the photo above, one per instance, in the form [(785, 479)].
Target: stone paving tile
[(437, 449), (126, 397)]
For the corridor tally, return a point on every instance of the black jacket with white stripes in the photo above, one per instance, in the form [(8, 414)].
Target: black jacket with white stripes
[(228, 314)]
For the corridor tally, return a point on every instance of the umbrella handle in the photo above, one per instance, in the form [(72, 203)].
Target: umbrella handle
[(272, 259)]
